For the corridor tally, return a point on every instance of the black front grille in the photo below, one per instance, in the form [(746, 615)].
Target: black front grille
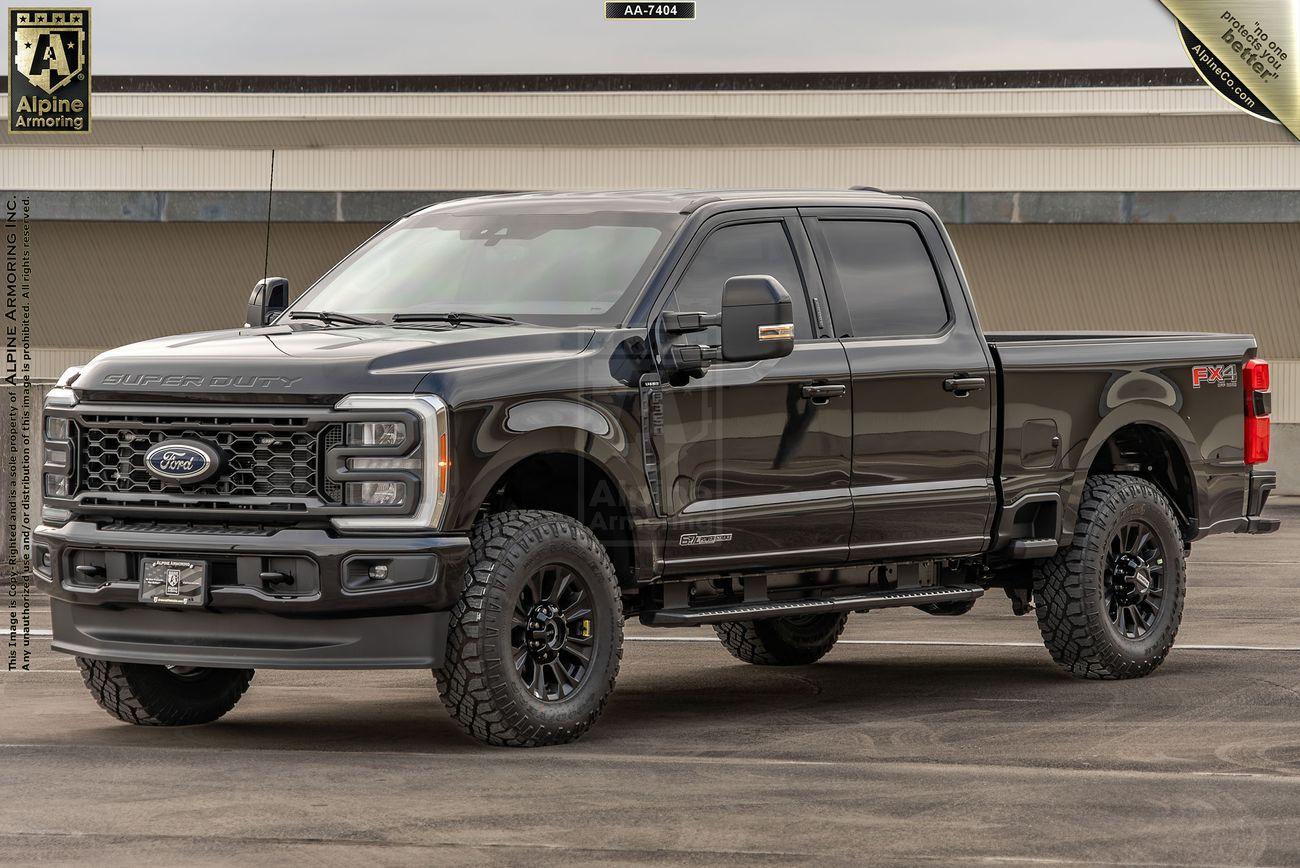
[(261, 458)]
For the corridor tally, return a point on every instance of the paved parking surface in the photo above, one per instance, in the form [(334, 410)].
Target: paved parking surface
[(918, 740)]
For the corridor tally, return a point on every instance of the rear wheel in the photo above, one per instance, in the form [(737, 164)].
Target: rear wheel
[(537, 633), (1109, 605), (163, 695), (791, 641)]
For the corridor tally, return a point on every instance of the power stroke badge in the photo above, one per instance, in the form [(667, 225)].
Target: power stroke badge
[(49, 70)]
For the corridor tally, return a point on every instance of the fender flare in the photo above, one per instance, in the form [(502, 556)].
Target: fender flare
[(1138, 412), (508, 451)]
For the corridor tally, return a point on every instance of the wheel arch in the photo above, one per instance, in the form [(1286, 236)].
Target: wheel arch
[(1159, 443), (540, 471)]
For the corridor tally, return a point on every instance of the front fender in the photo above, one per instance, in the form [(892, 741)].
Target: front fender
[(490, 440)]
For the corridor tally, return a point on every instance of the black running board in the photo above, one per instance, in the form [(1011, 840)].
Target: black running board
[(811, 606)]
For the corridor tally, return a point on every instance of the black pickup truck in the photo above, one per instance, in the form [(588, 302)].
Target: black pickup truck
[(503, 424)]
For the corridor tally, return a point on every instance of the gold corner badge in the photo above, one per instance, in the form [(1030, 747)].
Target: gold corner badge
[(1246, 50), (49, 70)]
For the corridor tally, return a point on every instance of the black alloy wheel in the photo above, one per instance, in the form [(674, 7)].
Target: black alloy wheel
[(1134, 588), (537, 634), (552, 632)]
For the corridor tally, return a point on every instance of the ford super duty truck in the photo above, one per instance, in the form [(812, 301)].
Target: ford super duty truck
[(504, 424)]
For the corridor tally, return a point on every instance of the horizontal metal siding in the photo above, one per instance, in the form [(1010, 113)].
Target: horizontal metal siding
[(107, 284), (669, 132), (1207, 277), (1240, 167), (801, 103)]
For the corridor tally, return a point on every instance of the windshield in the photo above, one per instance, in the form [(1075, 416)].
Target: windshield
[(558, 269)]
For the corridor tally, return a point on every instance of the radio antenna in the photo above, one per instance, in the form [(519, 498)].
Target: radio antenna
[(270, 192)]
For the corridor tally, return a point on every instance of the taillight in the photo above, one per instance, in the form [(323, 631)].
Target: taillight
[(1258, 406)]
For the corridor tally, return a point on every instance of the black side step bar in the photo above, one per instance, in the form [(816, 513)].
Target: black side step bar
[(811, 606)]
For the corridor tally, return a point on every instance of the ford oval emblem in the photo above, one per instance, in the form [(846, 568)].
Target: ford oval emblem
[(182, 461)]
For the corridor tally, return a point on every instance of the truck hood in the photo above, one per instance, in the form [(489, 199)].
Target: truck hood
[(295, 360)]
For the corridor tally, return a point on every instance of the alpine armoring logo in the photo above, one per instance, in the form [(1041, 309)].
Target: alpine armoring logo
[(182, 461)]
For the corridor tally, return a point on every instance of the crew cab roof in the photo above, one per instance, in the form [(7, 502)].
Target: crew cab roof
[(670, 201)]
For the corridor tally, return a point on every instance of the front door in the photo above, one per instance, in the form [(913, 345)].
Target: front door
[(923, 384), (755, 469)]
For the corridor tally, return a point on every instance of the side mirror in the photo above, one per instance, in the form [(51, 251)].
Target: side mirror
[(269, 299), (757, 319)]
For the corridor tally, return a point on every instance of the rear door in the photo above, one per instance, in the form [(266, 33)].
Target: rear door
[(755, 473), (922, 383)]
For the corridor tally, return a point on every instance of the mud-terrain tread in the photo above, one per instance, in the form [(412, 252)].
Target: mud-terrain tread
[(476, 700), (1070, 615), (111, 685), (755, 642)]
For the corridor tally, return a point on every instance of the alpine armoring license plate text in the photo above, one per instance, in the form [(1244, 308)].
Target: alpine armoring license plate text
[(173, 583)]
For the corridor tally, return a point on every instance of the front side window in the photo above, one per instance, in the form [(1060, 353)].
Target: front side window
[(733, 251), (887, 277), (557, 269)]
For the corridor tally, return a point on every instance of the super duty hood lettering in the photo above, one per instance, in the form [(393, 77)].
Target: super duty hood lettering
[(200, 381)]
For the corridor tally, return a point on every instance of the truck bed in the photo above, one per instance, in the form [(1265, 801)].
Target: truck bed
[(1063, 394), (1005, 338)]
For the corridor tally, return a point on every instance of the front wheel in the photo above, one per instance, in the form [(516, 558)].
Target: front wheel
[(537, 634), (1110, 603)]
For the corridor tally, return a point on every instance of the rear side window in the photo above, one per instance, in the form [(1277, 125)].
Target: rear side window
[(888, 279), (739, 249)]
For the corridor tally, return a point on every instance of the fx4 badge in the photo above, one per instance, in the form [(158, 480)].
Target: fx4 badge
[(1214, 375), (704, 539)]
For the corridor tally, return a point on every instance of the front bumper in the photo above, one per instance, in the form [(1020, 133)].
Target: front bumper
[(323, 612), (1262, 483)]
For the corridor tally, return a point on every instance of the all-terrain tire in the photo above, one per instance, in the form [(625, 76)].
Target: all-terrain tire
[(791, 641), (157, 696), (478, 681), (1069, 589)]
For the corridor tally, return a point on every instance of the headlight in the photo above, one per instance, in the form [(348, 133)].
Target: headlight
[(57, 458), (381, 481), (56, 428), (385, 463), (388, 493), (376, 434)]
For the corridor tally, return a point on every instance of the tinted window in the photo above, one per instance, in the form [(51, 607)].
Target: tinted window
[(887, 278), (746, 248), (560, 269)]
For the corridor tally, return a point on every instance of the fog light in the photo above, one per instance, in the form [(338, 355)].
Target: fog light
[(376, 433), (386, 493), (55, 485), (56, 428), (378, 572)]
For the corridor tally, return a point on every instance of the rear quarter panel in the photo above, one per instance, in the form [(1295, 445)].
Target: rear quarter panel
[(1087, 388)]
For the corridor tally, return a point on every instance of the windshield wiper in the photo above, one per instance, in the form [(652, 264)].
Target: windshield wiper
[(330, 317), (455, 318)]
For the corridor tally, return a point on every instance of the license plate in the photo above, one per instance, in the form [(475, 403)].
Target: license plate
[(173, 583)]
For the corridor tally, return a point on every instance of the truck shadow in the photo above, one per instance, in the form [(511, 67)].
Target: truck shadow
[(690, 707)]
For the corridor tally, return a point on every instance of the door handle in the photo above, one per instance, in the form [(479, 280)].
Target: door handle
[(823, 394), (963, 386)]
